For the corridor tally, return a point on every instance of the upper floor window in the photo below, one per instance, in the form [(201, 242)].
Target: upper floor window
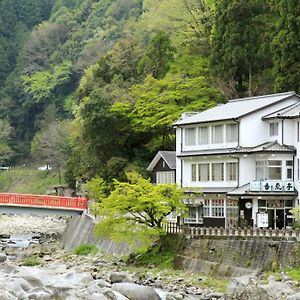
[(217, 171), (203, 135), (190, 136), (231, 171), (217, 134), (273, 129), (289, 169), (203, 172), (231, 133), (271, 169), (213, 134)]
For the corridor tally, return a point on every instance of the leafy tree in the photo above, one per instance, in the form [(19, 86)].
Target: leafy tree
[(6, 152), (136, 210), (159, 54), (51, 144), (286, 46)]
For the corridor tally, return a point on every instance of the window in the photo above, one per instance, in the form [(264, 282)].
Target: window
[(231, 171), (203, 172), (217, 171), (217, 207), (165, 177), (217, 134), (231, 133), (190, 136), (261, 170), (206, 208), (275, 169), (289, 169), (194, 172), (203, 134), (268, 170), (273, 129)]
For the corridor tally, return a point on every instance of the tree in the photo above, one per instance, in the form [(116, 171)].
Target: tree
[(286, 47), (136, 210), (236, 43), (159, 54), (51, 144), (6, 152)]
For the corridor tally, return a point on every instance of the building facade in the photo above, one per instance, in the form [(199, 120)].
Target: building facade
[(239, 162)]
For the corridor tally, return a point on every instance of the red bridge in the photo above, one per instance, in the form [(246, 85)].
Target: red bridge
[(18, 203)]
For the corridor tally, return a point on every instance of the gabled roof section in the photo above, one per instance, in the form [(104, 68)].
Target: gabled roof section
[(267, 147), (168, 156), (290, 112), (235, 108)]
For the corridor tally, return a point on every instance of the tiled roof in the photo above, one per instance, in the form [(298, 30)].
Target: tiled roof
[(291, 112), (245, 190), (168, 156), (265, 147), (234, 108)]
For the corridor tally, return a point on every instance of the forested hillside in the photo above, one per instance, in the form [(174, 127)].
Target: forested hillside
[(92, 87)]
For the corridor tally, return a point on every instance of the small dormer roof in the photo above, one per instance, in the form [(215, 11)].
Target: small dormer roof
[(168, 156), (235, 108), (290, 112)]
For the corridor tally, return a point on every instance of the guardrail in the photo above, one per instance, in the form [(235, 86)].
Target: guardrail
[(174, 228), (43, 201)]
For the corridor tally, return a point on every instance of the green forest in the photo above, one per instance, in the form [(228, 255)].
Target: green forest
[(92, 87)]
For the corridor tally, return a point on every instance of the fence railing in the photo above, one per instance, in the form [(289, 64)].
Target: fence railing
[(174, 228), (43, 201)]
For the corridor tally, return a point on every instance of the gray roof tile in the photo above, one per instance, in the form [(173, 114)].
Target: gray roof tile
[(234, 108)]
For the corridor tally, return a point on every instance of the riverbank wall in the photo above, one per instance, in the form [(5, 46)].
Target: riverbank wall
[(236, 256), (80, 230)]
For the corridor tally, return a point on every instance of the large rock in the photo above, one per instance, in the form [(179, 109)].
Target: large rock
[(246, 288), (135, 292), (3, 257), (117, 277)]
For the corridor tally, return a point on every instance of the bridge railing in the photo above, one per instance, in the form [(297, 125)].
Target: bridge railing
[(43, 201)]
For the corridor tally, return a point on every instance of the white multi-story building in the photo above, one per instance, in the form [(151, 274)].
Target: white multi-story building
[(239, 162)]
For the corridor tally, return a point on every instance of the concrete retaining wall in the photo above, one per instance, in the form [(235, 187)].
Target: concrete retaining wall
[(80, 230), (229, 256)]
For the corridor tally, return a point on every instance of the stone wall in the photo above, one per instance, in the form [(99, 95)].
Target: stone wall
[(235, 256), (80, 230)]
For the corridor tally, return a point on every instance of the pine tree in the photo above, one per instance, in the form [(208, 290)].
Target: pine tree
[(235, 43), (286, 46)]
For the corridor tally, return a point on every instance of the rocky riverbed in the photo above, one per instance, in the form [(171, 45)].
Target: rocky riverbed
[(62, 275)]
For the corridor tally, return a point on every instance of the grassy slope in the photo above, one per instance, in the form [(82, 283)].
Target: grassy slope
[(28, 181)]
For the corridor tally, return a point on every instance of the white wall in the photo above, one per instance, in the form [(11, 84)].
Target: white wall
[(255, 131)]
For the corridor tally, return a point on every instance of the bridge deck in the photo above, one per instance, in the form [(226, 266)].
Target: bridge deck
[(43, 201)]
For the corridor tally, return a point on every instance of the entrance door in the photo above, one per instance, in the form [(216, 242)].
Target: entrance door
[(279, 218), (276, 218)]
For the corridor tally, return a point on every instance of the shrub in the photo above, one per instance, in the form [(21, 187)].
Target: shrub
[(85, 249), (31, 261)]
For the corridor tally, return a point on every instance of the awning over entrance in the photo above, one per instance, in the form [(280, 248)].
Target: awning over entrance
[(245, 191)]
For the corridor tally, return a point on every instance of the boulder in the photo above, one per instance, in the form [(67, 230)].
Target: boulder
[(294, 297), (135, 291), (117, 277), (113, 295), (174, 296), (3, 257)]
